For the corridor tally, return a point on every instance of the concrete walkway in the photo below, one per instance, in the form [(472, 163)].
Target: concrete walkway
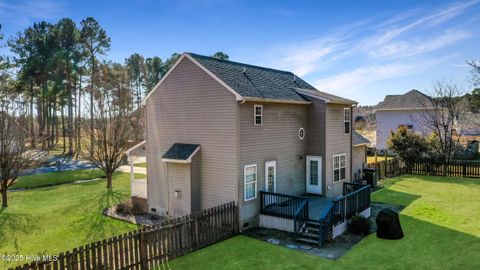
[(126, 168)]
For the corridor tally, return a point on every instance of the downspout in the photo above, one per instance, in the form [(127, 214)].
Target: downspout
[(351, 141), (239, 181)]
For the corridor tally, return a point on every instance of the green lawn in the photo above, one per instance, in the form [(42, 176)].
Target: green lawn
[(43, 179), (56, 219), (143, 164), (441, 223)]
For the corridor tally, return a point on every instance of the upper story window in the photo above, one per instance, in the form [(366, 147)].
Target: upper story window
[(339, 167), (347, 119), (258, 115)]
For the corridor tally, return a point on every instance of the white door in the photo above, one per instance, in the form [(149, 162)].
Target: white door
[(271, 176), (314, 174)]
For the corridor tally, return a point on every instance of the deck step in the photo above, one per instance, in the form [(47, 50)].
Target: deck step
[(312, 223), (307, 240), (310, 235), (312, 229)]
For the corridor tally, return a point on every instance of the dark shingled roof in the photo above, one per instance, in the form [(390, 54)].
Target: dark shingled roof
[(359, 139), (255, 82), (180, 151), (326, 96), (413, 100)]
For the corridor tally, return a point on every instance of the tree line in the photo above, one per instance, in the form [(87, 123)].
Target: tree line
[(57, 71), (58, 86)]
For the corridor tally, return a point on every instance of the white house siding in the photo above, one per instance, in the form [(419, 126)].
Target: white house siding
[(337, 142), (388, 121), (277, 139), (191, 107)]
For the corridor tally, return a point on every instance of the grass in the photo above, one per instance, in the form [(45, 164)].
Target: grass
[(37, 180), (441, 223), (143, 165), (56, 219)]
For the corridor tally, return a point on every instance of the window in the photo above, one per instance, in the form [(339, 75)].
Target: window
[(258, 115), (301, 133), (339, 165), (347, 119), (250, 179)]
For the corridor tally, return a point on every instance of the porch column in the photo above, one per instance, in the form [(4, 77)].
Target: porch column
[(132, 173)]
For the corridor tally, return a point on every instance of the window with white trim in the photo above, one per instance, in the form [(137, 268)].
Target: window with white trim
[(339, 167), (258, 115), (347, 119), (250, 182)]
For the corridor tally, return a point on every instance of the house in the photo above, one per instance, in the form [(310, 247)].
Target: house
[(396, 110), (220, 131), (359, 154)]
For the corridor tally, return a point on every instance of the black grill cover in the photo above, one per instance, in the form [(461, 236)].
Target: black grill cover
[(388, 225)]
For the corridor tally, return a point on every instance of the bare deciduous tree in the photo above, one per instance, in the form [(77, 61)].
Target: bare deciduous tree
[(115, 127), (444, 115), (14, 154)]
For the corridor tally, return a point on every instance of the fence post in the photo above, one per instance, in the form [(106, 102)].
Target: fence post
[(143, 250)]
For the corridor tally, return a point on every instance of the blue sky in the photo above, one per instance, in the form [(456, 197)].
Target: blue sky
[(361, 50)]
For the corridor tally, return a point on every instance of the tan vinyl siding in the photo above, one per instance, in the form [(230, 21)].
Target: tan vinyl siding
[(196, 177), (316, 134), (359, 160), (178, 175), (337, 142), (276, 139), (191, 107)]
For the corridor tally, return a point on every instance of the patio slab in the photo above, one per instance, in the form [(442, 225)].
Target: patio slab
[(331, 250)]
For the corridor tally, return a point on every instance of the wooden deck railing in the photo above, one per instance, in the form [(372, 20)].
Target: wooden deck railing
[(355, 199), (285, 206), (152, 247)]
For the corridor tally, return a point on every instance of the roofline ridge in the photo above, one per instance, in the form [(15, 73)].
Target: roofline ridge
[(243, 64)]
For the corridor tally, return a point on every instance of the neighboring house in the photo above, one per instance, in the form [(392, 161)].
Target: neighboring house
[(220, 131), (396, 110), (359, 155)]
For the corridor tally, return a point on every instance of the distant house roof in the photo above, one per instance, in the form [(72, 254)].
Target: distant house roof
[(358, 139), (412, 100), (180, 152), (254, 83)]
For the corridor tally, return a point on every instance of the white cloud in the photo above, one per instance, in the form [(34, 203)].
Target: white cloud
[(408, 48), (25, 11), (350, 81), (366, 53)]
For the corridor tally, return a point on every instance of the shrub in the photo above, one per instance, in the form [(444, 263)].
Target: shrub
[(126, 208), (359, 225)]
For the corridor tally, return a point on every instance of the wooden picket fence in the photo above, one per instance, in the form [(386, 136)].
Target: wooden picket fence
[(456, 168), (387, 168), (150, 247)]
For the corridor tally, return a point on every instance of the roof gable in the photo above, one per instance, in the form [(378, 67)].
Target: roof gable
[(253, 81), (412, 100)]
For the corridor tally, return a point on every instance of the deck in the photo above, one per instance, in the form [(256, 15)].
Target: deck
[(316, 205), (282, 205)]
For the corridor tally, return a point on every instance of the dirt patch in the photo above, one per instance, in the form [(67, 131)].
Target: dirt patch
[(331, 250)]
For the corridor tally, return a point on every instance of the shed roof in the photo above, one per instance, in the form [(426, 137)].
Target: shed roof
[(180, 152), (358, 139)]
